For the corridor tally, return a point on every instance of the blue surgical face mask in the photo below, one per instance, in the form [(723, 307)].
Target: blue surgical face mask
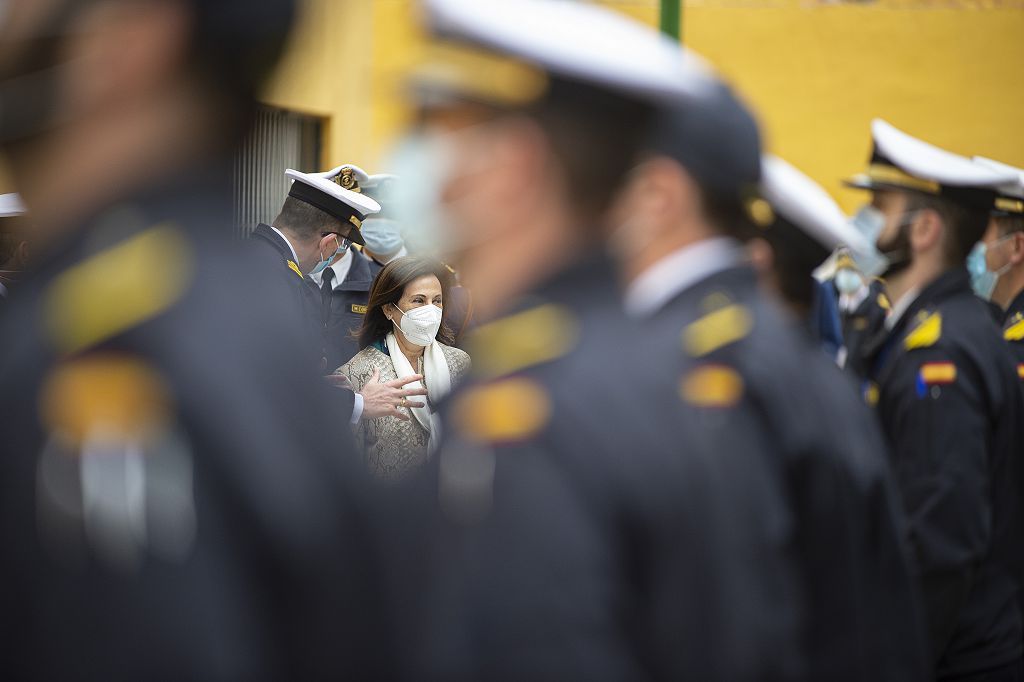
[(383, 236), (870, 222), (983, 280), (324, 262), (848, 281)]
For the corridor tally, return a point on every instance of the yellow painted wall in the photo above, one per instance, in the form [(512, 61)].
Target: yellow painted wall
[(948, 71)]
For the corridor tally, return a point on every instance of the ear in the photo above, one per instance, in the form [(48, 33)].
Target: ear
[(927, 230), (1016, 243), (21, 254)]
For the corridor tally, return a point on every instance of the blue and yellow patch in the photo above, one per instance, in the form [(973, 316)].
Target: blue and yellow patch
[(926, 334), (506, 411), (1015, 330), (712, 386), (934, 374)]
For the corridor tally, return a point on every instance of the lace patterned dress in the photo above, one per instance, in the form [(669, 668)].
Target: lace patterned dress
[(393, 447)]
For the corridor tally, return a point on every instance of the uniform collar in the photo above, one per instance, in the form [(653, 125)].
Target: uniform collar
[(1016, 306), (290, 247), (677, 272), (950, 283)]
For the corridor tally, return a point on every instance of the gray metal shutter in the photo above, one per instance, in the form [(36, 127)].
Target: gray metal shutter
[(279, 140)]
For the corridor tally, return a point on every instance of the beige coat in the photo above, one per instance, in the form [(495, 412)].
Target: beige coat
[(394, 447)]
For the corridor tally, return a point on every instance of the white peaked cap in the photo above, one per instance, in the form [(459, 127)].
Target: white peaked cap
[(579, 41), (1015, 188), (803, 202), (928, 162), (11, 205)]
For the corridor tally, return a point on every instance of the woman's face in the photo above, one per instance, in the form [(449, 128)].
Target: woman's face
[(422, 291)]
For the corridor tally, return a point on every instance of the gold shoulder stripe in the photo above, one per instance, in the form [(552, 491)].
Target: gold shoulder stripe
[(926, 334), (523, 340), (294, 267), (715, 330), (118, 288), (1014, 332), (506, 411)]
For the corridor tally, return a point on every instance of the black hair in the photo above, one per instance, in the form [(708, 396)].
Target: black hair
[(596, 135), (1008, 224), (306, 220), (965, 225)]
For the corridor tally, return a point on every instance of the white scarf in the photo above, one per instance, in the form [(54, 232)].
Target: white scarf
[(437, 377)]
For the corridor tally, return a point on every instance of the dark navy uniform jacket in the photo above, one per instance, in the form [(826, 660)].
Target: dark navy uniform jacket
[(586, 525), (272, 256), (175, 500), (347, 308), (861, 620), (945, 389)]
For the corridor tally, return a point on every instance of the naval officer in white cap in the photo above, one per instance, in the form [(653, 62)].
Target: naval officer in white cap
[(582, 523), (319, 220), (945, 390), (997, 261), (714, 240)]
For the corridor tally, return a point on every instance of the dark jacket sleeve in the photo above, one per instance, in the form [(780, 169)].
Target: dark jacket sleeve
[(942, 468)]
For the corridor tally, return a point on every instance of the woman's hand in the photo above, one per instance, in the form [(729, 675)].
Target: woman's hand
[(386, 399)]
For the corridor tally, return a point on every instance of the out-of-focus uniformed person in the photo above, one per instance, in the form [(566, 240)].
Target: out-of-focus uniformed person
[(13, 244), (862, 302), (320, 219), (997, 262), (583, 530), (176, 502), (691, 282), (344, 285), (945, 390)]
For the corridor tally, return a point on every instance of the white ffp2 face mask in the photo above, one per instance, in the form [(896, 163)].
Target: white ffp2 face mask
[(420, 325)]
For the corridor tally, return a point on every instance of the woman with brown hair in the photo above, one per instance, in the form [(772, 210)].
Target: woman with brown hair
[(403, 333)]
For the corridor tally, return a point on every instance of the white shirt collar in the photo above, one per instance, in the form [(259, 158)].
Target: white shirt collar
[(341, 268), (900, 307), (292, 248), (678, 271)]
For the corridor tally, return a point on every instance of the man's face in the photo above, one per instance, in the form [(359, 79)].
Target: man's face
[(892, 205)]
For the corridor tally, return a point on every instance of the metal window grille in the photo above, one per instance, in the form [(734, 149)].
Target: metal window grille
[(279, 140)]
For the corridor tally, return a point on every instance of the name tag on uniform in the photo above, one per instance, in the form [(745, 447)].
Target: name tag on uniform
[(359, 309)]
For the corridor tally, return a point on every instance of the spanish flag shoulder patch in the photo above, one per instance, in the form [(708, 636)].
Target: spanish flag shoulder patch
[(934, 374)]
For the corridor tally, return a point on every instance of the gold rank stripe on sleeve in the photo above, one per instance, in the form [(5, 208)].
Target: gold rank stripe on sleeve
[(294, 267), (1015, 332), (523, 340), (937, 373), (926, 334), (717, 329), (118, 288)]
